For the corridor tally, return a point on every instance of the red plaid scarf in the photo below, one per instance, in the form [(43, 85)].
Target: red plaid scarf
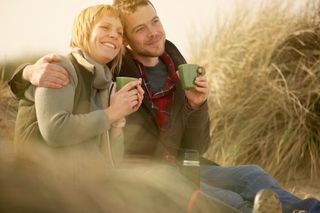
[(162, 100)]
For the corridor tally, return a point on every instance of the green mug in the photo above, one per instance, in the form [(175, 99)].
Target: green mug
[(188, 73), (121, 81)]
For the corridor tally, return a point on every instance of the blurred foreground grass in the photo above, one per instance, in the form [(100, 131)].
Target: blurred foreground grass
[(260, 113)]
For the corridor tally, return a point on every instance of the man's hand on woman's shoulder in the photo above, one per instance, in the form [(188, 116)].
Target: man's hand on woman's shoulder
[(44, 73)]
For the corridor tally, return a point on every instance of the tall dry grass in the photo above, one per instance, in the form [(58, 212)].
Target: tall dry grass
[(260, 112), (8, 107)]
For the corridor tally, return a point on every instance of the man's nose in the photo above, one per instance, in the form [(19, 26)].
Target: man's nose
[(152, 31)]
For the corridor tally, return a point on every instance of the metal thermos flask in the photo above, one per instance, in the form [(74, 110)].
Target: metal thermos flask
[(190, 166)]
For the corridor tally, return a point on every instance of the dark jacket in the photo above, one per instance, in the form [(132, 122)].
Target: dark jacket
[(186, 128)]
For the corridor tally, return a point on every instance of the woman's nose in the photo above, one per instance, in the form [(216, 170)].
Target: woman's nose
[(113, 34)]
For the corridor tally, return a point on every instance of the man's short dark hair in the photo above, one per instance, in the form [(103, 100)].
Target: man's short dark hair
[(130, 6), (125, 7)]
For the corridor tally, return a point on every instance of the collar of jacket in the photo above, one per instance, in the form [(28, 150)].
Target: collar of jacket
[(129, 68), (102, 75)]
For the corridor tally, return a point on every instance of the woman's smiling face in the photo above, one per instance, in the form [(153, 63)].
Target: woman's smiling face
[(106, 39)]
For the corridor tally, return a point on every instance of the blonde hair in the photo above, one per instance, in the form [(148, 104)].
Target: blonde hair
[(83, 25), (129, 6)]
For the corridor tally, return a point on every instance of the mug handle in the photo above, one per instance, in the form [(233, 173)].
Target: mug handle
[(201, 68)]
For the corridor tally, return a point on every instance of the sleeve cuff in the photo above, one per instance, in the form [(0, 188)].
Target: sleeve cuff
[(119, 124), (203, 106), (17, 84), (105, 123)]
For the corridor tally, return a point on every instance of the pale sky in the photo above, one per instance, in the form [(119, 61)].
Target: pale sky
[(45, 25), (31, 26)]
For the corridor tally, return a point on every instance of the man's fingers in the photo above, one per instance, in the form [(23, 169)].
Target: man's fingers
[(50, 84), (201, 85), (49, 59), (55, 58), (55, 68), (50, 81), (54, 85), (201, 90), (201, 78), (56, 72)]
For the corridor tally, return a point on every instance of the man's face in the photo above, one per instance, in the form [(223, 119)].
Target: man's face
[(144, 32)]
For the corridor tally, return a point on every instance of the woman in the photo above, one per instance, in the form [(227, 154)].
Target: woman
[(80, 125)]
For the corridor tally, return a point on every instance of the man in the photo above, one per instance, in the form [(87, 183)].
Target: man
[(171, 119), (165, 123)]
